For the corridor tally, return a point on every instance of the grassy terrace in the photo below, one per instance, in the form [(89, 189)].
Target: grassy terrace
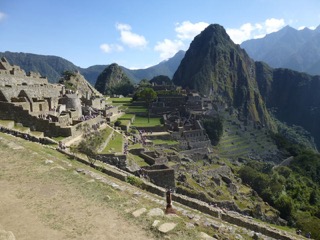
[(124, 121), (136, 109), (127, 116), (235, 142), (106, 132), (138, 160), (143, 122), (5, 123), (136, 145), (120, 100), (160, 141), (114, 145)]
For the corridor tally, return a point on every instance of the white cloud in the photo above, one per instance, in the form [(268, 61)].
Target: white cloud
[(257, 30), (2, 16), (273, 25), (243, 33), (168, 48), (123, 27), (108, 48), (187, 30), (303, 27), (129, 38)]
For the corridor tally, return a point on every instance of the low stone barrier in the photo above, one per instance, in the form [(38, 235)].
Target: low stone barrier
[(241, 222), (108, 169), (230, 217)]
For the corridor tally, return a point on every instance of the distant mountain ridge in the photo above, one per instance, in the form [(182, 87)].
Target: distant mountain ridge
[(288, 48), (53, 66)]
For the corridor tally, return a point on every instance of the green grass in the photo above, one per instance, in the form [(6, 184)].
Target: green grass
[(5, 123), (143, 122), (106, 132), (120, 100), (136, 109), (160, 141), (124, 122), (137, 145), (36, 134), (21, 128), (122, 107), (138, 160), (58, 138), (114, 145), (127, 116)]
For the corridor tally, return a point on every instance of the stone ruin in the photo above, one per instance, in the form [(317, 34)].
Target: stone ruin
[(12, 74), (30, 100)]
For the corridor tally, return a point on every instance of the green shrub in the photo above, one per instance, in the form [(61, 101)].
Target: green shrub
[(135, 181), (117, 123)]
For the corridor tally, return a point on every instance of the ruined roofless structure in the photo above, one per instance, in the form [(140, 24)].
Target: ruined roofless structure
[(30, 100), (30, 91), (14, 75)]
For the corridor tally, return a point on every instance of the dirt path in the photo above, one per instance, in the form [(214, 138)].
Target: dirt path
[(39, 201)]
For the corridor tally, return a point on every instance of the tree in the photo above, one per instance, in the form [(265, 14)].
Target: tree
[(90, 145), (285, 205), (121, 89), (148, 95), (314, 197), (73, 150), (214, 128), (68, 74), (88, 148), (144, 83)]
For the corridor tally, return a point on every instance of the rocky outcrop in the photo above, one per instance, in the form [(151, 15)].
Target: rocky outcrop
[(77, 82)]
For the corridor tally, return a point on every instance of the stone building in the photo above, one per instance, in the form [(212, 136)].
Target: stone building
[(14, 74), (30, 100)]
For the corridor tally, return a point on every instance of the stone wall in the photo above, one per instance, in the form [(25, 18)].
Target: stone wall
[(38, 90), (152, 129), (40, 106), (148, 159), (98, 103), (109, 170), (196, 154), (9, 111), (12, 74), (6, 78), (199, 144), (229, 217), (118, 160), (160, 175)]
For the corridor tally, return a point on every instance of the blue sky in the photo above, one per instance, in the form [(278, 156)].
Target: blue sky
[(138, 33)]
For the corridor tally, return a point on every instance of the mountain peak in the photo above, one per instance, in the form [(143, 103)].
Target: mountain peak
[(215, 66), (216, 33), (111, 78)]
